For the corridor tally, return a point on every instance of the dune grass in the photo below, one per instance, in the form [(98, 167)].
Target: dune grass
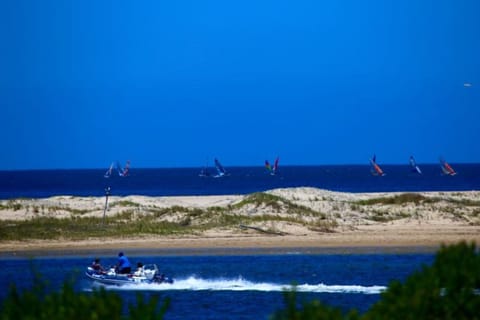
[(400, 199), (135, 221)]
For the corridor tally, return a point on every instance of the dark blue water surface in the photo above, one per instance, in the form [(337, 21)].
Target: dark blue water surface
[(241, 180), (238, 286)]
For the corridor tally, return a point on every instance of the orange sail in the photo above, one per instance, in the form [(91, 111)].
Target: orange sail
[(376, 170), (446, 168)]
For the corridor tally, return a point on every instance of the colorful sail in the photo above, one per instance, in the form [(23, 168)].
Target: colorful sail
[(123, 172), (268, 166), (446, 168), (272, 169), (275, 166), (376, 170), (413, 166), (220, 169), (109, 171)]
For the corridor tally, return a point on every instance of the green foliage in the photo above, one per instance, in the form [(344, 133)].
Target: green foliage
[(417, 198), (462, 202), (445, 290), (448, 289), (48, 228), (135, 221), (397, 199), (261, 198), (385, 216), (277, 203), (40, 304), (125, 203), (11, 204)]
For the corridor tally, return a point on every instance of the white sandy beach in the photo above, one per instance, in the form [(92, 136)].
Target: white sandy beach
[(438, 218)]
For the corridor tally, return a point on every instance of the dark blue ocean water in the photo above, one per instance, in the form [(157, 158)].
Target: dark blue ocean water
[(242, 180), (239, 286)]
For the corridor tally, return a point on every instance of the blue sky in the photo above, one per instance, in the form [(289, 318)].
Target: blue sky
[(177, 83)]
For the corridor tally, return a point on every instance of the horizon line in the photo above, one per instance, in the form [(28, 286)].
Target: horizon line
[(238, 166)]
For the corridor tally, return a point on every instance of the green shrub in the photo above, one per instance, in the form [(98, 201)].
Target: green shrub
[(445, 290), (40, 304)]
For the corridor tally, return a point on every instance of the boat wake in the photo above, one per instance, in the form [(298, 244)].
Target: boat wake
[(240, 284)]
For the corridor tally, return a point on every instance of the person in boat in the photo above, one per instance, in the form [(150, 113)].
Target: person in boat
[(123, 265), (97, 266), (139, 271)]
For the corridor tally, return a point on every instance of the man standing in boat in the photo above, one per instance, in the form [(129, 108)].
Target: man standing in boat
[(123, 265)]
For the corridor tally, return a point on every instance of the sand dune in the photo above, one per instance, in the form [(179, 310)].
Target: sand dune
[(292, 217)]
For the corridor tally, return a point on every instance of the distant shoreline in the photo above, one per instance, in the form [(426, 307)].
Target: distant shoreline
[(179, 247), (337, 243)]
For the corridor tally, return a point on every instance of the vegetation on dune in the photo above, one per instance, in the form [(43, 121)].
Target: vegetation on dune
[(386, 216), (397, 199), (75, 228), (257, 211), (11, 205), (135, 220), (416, 198), (262, 199)]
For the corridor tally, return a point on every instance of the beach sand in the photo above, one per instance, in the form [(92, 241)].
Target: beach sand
[(419, 221)]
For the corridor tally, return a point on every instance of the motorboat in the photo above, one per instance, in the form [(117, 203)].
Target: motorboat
[(148, 274)]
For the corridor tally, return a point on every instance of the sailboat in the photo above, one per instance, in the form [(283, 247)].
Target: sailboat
[(376, 170), (109, 171), (446, 168), (204, 172), (413, 166), (272, 170), (220, 169), (123, 172)]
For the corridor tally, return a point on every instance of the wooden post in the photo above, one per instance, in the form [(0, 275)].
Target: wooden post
[(107, 193)]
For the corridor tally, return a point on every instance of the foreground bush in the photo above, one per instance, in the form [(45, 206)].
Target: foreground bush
[(449, 289), (68, 304)]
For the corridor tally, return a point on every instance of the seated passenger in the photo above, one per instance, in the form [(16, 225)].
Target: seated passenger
[(139, 271), (97, 266)]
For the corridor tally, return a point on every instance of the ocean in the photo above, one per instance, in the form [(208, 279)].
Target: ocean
[(241, 180), (237, 285)]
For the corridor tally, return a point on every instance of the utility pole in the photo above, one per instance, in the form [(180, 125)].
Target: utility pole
[(107, 193)]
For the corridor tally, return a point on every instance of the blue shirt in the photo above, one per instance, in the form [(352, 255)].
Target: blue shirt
[(123, 262)]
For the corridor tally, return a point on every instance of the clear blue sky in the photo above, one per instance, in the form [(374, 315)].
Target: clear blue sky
[(174, 83)]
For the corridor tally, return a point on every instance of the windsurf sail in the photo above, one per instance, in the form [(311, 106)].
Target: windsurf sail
[(446, 168), (376, 170), (275, 166), (204, 172), (109, 171), (272, 170), (220, 169), (413, 166), (268, 166), (123, 172)]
